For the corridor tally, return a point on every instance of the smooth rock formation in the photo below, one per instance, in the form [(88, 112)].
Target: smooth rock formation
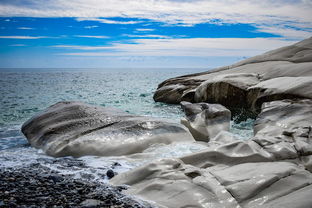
[(285, 73), (77, 129), (272, 169), (284, 129), (205, 120)]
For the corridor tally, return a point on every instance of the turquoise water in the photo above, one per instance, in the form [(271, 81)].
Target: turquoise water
[(24, 92)]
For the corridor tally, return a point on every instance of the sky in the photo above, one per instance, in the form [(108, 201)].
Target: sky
[(146, 33)]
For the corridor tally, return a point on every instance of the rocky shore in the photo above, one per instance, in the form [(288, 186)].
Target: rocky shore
[(273, 168), (38, 186)]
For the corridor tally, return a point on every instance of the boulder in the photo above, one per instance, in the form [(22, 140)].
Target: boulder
[(284, 73), (205, 120), (77, 129)]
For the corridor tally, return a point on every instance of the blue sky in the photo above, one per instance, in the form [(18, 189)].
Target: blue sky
[(146, 33)]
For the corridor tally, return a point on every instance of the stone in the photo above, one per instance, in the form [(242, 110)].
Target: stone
[(110, 174), (205, 120), (78, 129), (284, 128), (284, 73), (271, 169), (172, 183)]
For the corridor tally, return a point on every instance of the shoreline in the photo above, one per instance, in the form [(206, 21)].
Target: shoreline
[(38, 186)]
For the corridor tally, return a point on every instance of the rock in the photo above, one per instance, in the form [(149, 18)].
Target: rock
[(77, 129), (172, 183), (221, 88), (284, 128), (110, 174), (279, 74), (278, 89), (205, 120), (272, 169)]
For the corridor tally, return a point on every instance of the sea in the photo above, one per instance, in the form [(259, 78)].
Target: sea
[(25, 92)]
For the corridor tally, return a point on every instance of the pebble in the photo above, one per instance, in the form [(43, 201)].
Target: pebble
[(35, 186)]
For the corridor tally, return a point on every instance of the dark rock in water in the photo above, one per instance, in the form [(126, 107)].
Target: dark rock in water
[(284, 73), (77, 129), (110, 174)]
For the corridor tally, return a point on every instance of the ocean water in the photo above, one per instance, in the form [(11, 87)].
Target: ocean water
[(24, 92)]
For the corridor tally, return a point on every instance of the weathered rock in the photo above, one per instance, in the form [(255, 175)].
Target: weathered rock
[(221, 88), (284, 128), (172, 183), (279, 74), (269, 170), (77, 129), (205, 120)]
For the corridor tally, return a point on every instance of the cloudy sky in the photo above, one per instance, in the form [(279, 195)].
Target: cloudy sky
[(146, 33)]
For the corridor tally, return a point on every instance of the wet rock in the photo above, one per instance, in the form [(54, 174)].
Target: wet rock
[(77, 129), (110, 173), (205, 120)]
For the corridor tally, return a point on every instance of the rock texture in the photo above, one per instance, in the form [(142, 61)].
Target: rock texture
[(77, 129), (205, 120), (285, 73), (272, 169)]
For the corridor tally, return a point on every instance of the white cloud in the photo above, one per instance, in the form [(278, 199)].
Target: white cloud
[(107, 21), (287, 32), (23, 37), (196, 47), (278, 13), (92, 36), (25, 28), (91, 26), (144, 29)]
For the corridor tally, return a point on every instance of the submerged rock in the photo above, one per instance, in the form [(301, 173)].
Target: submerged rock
[(205, 120), (77, 129), (285, 73)]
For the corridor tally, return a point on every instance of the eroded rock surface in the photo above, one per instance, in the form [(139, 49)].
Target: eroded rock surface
[(285, 73), (272, 169), (77, 129), (205, 120)]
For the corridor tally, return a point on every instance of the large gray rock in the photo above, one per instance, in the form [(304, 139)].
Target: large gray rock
[(272, 169), (77, 129), (279, 74), (284, 129), (205, 120)]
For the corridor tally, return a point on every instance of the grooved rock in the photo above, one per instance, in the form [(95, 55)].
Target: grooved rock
[(284, 73), (205, 120), (272, 169), (77, 129)]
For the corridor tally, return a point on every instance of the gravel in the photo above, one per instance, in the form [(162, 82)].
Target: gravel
[(38, 186)]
